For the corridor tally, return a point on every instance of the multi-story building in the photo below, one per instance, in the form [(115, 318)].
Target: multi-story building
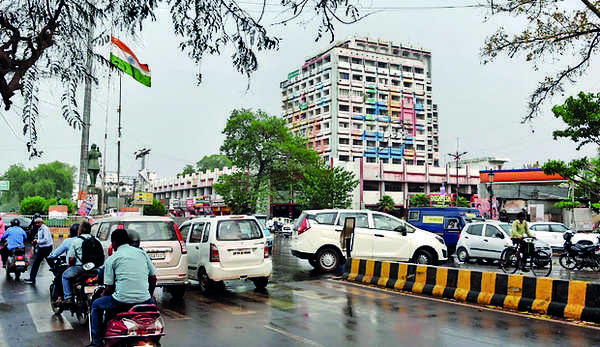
[(365, 98)]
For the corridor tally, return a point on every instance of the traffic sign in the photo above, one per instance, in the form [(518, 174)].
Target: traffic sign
[(4, 185)]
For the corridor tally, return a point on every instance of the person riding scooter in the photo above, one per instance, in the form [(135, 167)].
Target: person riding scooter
[(130, 279), (15, 238)]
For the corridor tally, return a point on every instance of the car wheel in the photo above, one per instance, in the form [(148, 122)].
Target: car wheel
[(206, 284), (327, 260), (260, 282), (462, 255), (176, 291), (423, 257)]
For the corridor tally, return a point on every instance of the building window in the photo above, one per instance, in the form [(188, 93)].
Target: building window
[(383, 80), (371, 143), (396, 161), (420, 147), (326, 141), (357, 142), (419, 70), (357, 109), (371, 186), (357, 92), (370, 79), (407, 84), (343, 125), (382, 65), (326, 108), (407, 68), (344, 141), (370, 63), (357, 77), (394, 186), (343, 59), (416, 188), (370, 160), (344, 92), (344, 76), (394, 66), (344, 158), (383, 160), (356, 61), (326, 60), (344, 108)]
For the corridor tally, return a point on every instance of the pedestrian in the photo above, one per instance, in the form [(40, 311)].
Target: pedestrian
[(32, 229), (43, 241)]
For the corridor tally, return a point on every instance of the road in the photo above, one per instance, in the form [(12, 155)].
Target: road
[(299, 308)]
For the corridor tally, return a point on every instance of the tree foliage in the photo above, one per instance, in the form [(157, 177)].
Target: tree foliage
[(386, 203), (187, 170), (211, 162), (554, 31), (323, 187), (461, 202), (48, 40), (419, 200), (51, 180), (238, 192), (156, 209), (32, 205), (582, 117)]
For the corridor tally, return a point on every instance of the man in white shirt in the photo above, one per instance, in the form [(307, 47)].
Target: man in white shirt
[(43, 241)]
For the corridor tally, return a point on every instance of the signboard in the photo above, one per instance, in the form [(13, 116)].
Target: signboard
[(4, 185), (130, 211), (142, 198), (433, 220), (58, 212), (86, 206), (189, 203), (198, 201), (440, 200)]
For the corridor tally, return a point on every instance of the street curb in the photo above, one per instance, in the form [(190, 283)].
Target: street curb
[(577, 300)]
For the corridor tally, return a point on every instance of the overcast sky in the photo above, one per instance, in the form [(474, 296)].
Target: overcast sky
[(482, 105)]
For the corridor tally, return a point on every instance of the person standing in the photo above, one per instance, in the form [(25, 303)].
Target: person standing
[(43, 241)]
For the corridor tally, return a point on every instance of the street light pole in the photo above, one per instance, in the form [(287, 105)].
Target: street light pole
[(491, 177), (457, 156)]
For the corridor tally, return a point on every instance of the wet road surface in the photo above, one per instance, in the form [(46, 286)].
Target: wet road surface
[(299, 308)]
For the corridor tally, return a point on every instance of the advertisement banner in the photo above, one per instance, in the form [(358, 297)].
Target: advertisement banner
[(439, 200), (198, 201), (86, 206), (189, 203), (433, 220), (142, 198)]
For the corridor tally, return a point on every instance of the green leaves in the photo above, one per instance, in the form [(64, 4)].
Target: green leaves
[(156, 209), (238, 191), (419, 200), (461, 202), (386, 203), (323, 187), (582, 117)]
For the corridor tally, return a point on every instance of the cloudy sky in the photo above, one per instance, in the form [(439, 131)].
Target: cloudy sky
[(481, 105)]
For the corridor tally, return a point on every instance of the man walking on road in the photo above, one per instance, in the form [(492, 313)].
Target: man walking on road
[(44, 247)]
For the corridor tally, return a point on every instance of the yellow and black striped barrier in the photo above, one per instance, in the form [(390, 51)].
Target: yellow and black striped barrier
[(59, 233), (563, 298)]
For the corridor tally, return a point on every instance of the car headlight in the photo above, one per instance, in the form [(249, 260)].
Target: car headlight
[(440, 239)]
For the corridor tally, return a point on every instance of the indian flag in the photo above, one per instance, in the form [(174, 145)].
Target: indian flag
[(123, 58)]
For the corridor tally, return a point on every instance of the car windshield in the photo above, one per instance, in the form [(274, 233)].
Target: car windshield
[(237, 230), (153, 231)]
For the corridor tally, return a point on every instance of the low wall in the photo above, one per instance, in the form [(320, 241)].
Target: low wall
[(562, 298)]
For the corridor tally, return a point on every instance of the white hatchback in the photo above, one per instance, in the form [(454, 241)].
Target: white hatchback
[(376, 236), (550, 232), (226, 248), (487, 240)]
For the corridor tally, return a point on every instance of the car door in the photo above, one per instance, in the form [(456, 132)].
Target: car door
[(204, 246), (363, 235), (474, 239), (389, 244), (493, 241), (452, 228), (184, 230), (557, 231), (542, 232), (193, 247)]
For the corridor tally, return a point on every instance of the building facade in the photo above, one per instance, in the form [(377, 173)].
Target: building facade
[(365, 98)]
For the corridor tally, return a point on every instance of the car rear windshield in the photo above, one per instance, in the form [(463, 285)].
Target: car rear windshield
[(237, 230), (153, 231)]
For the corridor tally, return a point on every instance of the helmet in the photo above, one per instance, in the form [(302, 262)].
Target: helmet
[(134, 238), (15, 222), (567, 235)]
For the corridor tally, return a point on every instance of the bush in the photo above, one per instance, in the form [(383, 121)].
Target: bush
[(156, 209), (32, 205)]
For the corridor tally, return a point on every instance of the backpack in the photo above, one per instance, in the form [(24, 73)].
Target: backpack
[(91, 251)]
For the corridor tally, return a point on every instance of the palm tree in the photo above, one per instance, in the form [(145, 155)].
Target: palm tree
[(386, 203), (419, 200)]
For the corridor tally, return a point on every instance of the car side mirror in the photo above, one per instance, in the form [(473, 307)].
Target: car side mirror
[(401, 229), (500, 235)]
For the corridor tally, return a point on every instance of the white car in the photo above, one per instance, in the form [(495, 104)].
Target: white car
[(376, 236), (487, 240), (550, 232), (226, 248)]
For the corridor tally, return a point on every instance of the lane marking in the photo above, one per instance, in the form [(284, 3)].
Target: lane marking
[(235, 309), (292, 336), (44, 320), (173, 315)]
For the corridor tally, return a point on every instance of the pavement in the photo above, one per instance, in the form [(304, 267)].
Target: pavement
[(300, 307)]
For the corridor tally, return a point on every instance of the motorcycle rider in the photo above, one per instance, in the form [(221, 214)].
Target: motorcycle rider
[(62, 249), (130, 279), (43, 241), (74, 256), (15, 237)]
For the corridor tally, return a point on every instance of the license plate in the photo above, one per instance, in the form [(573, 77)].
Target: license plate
[(20, 263), (156, 256), (242, 251), (89, 289)]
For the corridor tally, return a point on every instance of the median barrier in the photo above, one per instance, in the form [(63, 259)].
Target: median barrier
[(562, 298)]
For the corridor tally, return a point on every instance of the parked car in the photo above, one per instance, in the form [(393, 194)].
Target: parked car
[(446, 222), (487, 240), (377, 235), (226, 248), (262, 220), (162, 241), (549, 232)]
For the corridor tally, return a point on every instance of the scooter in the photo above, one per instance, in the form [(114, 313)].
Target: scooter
[(132, 325), (84, 287), (16, 262), (579, 256)]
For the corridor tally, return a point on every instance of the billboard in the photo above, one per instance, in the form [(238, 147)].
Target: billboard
[(4, 185), (142, 198)]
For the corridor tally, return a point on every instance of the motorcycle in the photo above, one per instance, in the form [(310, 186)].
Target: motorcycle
[(84, 287), (16, 262), (132, 325), (579, 256)]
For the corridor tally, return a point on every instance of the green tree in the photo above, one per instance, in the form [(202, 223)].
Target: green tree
[(419, 200), (554, 31), (211, 162), (156, 209), (238, 192), (386, 203), (324, 187), (49, 40), (71, 206), (187, 170), (51, 180), (461, 202), (32, 205)]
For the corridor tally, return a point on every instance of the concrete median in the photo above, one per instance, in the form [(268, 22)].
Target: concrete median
[(562, 298)]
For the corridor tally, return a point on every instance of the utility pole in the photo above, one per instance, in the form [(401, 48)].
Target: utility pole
[(87, 105), (457, 156), (119, 150)]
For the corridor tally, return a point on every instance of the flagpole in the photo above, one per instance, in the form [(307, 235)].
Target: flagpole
[(119, 151), (102, 205)]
